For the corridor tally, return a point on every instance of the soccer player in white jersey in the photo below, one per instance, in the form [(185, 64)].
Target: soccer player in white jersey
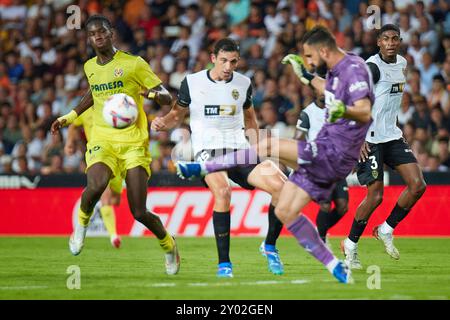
[(385, 145), (220, 105), (310, 121)]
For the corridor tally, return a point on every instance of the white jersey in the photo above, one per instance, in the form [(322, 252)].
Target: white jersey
[(311, 121), (388, 98), (216, 110)]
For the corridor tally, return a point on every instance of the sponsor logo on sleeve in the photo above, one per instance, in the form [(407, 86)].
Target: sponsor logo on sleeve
[(360, 85)]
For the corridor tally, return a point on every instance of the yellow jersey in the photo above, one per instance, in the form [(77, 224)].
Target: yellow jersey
[(128, 74)]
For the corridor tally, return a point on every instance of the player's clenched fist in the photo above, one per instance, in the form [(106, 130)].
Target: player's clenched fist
[(158, 124), (299, 68), (56, 125)]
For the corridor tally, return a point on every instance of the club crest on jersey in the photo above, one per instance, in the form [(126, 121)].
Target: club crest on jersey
[(374, 174), (235, 94), (118, 72), (397, 88)]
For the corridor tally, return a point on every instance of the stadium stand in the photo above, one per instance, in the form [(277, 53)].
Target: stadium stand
[(41, 66)]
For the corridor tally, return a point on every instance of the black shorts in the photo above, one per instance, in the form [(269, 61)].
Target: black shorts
[(340, 190), (393, 153), (237, 174)]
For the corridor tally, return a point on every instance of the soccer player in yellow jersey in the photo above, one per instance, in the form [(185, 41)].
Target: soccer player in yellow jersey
[(115, 152), (111, 195)]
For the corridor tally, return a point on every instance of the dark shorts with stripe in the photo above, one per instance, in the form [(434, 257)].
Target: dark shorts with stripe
[(238, 174), (392, 153)]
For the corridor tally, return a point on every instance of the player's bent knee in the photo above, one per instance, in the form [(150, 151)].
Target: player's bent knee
[(222, 194), (418, 188), (342, 209), (376, 196), (283, 214), (138, 215), (325, 207)]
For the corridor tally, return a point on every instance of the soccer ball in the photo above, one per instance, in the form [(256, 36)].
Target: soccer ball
[(120, 111)]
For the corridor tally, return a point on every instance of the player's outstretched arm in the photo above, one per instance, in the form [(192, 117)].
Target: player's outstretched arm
[(160, 94), (170, 120), (86, 102), (360, 111)]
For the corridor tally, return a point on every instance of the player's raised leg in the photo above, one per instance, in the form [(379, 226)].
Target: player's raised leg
[(136, 179), (292, 200), (415, 187), (98, 176), (284, 150), (268, 177)]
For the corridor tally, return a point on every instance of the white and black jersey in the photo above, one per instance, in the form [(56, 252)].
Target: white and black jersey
[(386, 144), (389, 80), (311, 120), (216, 110)]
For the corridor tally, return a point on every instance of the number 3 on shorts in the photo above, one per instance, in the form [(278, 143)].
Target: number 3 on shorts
[(374, 164)]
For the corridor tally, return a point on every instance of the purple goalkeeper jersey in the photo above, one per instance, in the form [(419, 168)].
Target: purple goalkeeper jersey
[(349, 81), (335, 151)]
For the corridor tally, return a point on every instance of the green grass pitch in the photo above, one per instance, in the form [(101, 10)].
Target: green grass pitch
[(37, 268)]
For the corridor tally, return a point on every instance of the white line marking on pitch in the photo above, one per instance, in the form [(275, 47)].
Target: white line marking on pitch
[(24, 288), (163, 285), (227, 284)]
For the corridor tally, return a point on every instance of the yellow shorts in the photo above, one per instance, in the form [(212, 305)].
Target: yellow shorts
[(119, 158)]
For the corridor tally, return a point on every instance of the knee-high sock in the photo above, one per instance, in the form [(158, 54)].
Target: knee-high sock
[(233, 159), (325, 220), (322, 224), (275, 227), (83, 217), (109, 219), (308, 237), (396, 216), (221, 223)]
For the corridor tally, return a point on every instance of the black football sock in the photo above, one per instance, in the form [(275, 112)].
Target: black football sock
[(221, 223), (322, 224), (397, 215), (333, 218), (275, 227), (357, 230)]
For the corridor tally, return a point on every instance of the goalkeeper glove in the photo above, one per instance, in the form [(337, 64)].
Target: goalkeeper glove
[(336, 111), (299, 68)]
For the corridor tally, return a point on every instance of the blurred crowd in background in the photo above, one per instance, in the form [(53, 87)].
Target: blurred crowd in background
[(41, 66)]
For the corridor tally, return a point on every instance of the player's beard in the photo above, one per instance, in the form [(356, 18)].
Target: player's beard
[(321, 69)]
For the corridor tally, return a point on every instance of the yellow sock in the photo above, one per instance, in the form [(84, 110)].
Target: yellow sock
[(109, 219), (83, 217), (167, 243)]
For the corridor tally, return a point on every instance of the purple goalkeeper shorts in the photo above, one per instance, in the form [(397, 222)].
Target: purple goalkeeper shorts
[(317, 169)]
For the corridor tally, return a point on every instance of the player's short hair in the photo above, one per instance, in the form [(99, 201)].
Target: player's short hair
[(98, 18), (388, 27), (227, 45), (320, 35)]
